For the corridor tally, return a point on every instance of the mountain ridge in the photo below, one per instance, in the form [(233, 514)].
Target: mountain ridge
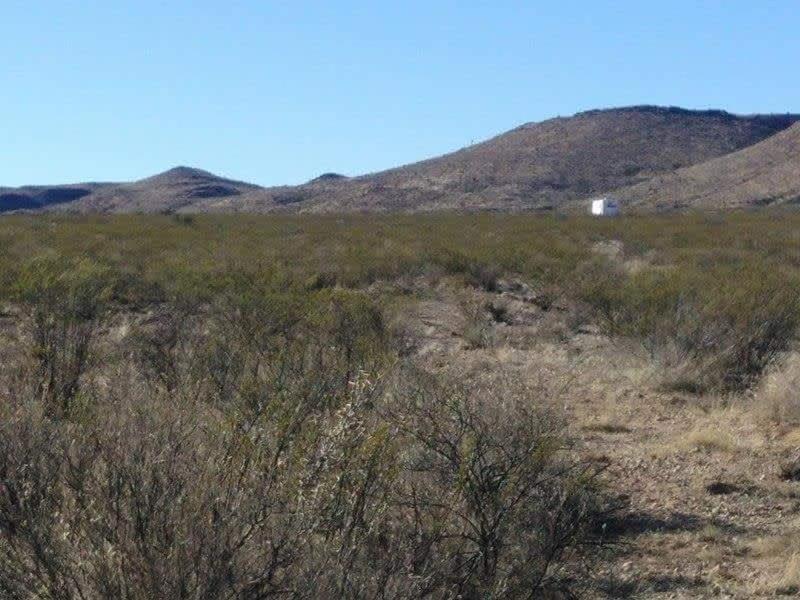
[(535, 166)]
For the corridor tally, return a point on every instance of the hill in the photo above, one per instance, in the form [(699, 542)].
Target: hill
[(763, 174), (169, 191), (535, 166), (35, 197)]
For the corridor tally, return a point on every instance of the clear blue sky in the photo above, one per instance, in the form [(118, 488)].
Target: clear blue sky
[(279, 92)]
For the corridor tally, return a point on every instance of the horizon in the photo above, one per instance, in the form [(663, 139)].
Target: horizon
[(123, 93)]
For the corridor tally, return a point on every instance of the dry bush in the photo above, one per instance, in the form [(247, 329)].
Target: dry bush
[(491, 491), (167, 349), (291, 480), (778, 399), (478, 331), (162, 497)]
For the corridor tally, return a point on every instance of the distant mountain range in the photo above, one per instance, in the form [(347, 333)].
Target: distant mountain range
[(653, 158)]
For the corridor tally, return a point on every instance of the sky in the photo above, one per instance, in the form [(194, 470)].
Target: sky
[(280, 92)]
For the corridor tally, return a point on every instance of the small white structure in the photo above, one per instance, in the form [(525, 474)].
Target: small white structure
[(605, 207)]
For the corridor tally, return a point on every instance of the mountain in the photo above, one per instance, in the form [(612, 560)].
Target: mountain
[(763, 174), (170, 191), (35, 197), (536, 166)]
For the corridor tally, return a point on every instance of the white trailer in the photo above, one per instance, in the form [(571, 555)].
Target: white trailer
[(604, 207)]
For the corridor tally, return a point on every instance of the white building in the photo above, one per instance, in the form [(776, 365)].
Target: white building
[(605, 207)]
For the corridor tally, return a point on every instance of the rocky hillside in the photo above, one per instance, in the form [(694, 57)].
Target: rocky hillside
[(764, 174)]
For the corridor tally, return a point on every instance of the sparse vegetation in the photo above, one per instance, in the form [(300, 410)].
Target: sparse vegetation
[(715, 301), (230, 407)]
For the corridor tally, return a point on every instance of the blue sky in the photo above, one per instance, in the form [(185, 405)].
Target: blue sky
[(279, 92)]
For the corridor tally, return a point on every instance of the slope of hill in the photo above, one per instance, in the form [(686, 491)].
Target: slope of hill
[(39, 196), (763, 174), (169, 191), (535, 166)]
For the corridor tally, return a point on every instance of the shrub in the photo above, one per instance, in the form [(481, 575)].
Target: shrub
[(63, 305), (499, 312), (478, 272), (425, 490), (477, 332), (719, 328), (496, 502), (168, 350)]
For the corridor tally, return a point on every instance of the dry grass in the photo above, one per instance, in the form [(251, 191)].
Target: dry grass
[(789, 583), (608, 419), (791, 437), (607, 425), (709, 439), (778, 545), (778, 396), (780, 557)]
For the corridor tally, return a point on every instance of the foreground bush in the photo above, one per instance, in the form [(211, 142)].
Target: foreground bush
[(263, 461)]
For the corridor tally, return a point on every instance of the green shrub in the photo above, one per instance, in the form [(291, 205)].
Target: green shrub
[(63, 303), (722, 323)]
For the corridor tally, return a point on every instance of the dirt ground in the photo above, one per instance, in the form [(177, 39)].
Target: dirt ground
[(708, 513)]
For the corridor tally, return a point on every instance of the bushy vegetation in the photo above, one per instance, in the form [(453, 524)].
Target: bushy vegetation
[(218, 407), (713, 297), (263, 441)]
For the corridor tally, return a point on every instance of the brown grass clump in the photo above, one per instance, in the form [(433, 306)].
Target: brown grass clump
[(709, 439), (778, 398), (789, 583)]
